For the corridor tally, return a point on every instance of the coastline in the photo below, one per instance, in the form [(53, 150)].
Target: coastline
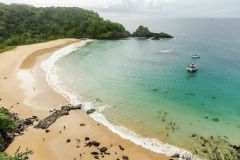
[(147, 143), (37, 98)]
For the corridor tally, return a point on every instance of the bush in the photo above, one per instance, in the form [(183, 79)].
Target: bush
[(7, 124), (216, 149), (17, 156)]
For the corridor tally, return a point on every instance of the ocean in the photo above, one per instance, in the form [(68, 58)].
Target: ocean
[(141, 90)]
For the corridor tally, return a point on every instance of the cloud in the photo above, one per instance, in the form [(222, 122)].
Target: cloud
[(153, 8)]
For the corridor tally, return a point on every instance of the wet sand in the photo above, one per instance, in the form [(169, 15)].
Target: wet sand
[(25, 91)]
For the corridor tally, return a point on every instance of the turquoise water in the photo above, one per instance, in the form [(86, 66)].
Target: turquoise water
[(145, 86)]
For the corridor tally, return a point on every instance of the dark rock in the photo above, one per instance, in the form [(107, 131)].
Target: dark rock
[(143, 32), (121, 147), (2, 146), (48, 121), (71, 107), (98, 100), (47, 131), (176, 155), (95, 143), (89, 144), (28, 121), (190, 94), (82, 124), (125, 158), (155, 89), (95, 153), (215, 119), (96, 157), (213, 97), (194, 135), (34, 117), (103, 149), (235, 147), (68, 140), (91, 111), (87, 138)]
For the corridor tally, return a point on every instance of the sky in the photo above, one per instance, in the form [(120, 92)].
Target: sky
[(124, 11)]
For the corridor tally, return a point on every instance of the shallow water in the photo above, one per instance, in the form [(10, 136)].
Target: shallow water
[(143, 85)]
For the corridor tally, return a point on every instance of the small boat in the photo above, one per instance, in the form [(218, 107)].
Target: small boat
[(192, 67), (195, 56)]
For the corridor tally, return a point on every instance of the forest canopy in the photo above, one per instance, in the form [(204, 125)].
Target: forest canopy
[(24, 24)]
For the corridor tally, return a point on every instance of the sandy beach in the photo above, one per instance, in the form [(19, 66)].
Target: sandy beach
[(24, 90)]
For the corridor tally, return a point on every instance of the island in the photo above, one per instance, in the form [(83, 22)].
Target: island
[(143, 32)]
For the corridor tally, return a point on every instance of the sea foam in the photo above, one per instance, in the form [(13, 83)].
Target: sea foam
[(148, 143)]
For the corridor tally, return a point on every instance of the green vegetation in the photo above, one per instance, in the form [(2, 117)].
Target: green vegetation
[(17, 156), (144, 32), (7, 129), (23, 24), (7, 124), (6, 48), (216, 149)]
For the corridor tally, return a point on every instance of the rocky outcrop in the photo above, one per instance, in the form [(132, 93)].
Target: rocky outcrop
[(157, 36), (90, 111), (143, 32), (48, 121), (7, 137)]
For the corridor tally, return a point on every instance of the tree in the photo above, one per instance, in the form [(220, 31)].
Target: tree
[(7, 124), (24, 24)]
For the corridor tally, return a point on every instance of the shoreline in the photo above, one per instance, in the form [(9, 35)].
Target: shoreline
[(147, 143), (37, 98)]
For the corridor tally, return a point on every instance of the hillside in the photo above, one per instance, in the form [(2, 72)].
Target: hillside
[(23, 24)]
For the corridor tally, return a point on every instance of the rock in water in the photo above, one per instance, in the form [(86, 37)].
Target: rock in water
[(71, 107), (91, 111), (176, 155), (215, 119)]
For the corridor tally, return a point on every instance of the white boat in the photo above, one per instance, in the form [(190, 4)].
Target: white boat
[(195, 56), (192, 67)]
